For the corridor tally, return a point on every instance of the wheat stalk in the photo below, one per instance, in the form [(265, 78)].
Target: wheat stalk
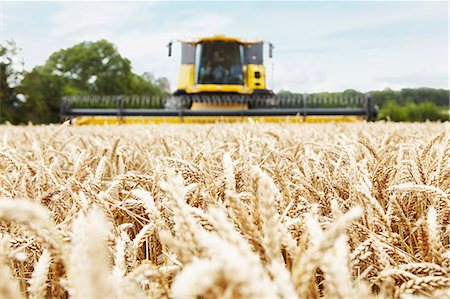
[(225, 211), (38, 281)]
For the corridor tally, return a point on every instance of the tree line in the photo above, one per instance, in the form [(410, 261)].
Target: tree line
[(86, 68), (407, 104)]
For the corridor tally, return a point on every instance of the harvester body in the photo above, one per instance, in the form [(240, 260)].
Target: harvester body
[(222, 65)]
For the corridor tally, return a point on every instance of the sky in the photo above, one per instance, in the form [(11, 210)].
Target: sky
[(319, 45)]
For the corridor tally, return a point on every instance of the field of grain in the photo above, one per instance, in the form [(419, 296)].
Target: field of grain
[(225, 211)]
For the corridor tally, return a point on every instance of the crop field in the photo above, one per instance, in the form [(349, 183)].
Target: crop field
[(225, 211)]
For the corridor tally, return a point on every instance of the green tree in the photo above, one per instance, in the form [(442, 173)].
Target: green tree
[(412, 112), (11, 72), (92, 67), (392, 111), (43, 92), (283, 92), (152, 85), (88, 68), (351, 93)]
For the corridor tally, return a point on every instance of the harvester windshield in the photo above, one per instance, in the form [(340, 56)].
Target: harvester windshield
[(219, 63)]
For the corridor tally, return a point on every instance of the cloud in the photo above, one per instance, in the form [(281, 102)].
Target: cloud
[(319, 46), (427, 77)]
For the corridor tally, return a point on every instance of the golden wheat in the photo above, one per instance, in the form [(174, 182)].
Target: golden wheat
[(225, 211)]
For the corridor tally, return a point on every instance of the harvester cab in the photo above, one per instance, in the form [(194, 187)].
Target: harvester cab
[(221, 65), (221, 79)]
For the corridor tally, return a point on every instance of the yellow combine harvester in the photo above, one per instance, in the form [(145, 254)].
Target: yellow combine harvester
[(222, 65), (221, 79)]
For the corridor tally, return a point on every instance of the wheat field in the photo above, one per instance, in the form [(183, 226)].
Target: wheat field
[(225, 211)]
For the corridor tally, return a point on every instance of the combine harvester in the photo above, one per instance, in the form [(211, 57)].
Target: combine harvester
[(221, 79)]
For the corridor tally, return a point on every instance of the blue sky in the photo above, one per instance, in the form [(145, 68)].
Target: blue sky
[(320, 46)]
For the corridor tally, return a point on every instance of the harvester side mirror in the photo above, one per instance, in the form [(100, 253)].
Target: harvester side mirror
[(169, 45), (271, 50)]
